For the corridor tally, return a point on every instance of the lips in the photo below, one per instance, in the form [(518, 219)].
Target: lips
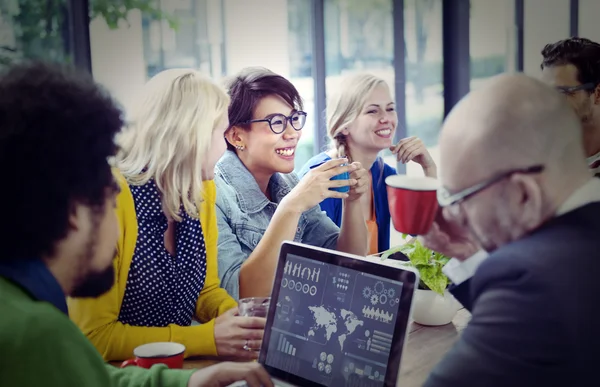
[(286, 152)]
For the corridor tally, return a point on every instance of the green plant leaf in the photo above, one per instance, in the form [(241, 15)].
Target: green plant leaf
[(433, 277), (428, 263)]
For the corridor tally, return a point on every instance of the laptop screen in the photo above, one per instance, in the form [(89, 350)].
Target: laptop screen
[(332, 325)]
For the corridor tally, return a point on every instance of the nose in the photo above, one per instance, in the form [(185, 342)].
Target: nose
[(385, 117), (290, 132)]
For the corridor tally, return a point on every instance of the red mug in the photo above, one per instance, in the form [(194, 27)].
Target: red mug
[(170, 354), (413, 203)]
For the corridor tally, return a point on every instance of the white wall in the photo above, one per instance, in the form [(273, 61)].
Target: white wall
[(589, 22), (118, 58), (256, 33), (546, 21)]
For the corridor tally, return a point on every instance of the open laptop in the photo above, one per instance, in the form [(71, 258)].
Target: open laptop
[(336, 319)]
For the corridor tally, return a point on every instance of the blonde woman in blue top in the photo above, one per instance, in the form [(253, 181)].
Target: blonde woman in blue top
[(361, 122)]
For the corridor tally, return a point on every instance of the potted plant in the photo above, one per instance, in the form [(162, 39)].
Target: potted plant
[(433, 304)]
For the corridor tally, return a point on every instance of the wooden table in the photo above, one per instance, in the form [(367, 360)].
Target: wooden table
[(424, 349), (426, 346)]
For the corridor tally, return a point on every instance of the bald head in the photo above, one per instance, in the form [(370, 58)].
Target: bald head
[(513, 121)]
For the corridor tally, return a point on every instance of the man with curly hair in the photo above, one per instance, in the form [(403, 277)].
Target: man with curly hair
[(572, 66), (59, 231)]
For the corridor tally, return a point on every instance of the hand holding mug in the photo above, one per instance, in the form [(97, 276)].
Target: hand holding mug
[(361, 175), (319, 184), (234, 334), (224, 374)]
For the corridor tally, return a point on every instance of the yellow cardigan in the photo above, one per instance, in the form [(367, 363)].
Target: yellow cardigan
[(97, 317)]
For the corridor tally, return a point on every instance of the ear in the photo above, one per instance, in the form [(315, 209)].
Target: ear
[(75, 216), (235, 136), (597, 95), (526, 202), (345, 131)]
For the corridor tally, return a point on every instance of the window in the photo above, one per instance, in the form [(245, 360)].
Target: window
[(33, 29), (217, 37), (546, 21), (424, 87), (492, 39), (588, 19)]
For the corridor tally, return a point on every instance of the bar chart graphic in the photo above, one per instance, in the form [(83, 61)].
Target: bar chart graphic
[(381, 343), (285, 346)]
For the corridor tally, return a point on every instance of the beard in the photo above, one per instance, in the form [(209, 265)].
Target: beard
[(95, 284)]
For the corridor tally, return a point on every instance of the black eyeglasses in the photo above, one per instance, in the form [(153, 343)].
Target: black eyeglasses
[(572, 89), (278, 122), (446, 199)]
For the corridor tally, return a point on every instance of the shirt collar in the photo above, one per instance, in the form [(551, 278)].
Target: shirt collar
[(594, 163), (34, 277), (249, 194), (586, 194)]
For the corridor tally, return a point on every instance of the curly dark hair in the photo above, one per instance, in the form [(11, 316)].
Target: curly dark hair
[(57, 130), (582, 53), (249, 86)]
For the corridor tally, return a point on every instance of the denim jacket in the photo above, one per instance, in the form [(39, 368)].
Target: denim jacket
[(244, 213)]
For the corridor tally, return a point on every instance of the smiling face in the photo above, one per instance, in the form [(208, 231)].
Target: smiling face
[(266, 152), (374, 128)]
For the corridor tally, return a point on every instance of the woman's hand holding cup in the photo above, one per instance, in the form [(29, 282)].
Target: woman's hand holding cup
[(239, 336), (322, 182)]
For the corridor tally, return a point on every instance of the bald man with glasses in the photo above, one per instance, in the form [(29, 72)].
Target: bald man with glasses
[(521, 217)]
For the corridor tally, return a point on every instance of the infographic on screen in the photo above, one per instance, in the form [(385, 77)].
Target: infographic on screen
[(333, 325)]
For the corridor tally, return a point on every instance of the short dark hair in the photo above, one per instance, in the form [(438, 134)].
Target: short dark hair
[(249, 86), (582, 53), (57, 130)]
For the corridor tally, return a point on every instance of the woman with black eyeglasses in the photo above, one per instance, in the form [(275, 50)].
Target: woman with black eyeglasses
[(260, 202)]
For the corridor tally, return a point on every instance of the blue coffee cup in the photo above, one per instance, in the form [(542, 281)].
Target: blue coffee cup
[(341, 176)]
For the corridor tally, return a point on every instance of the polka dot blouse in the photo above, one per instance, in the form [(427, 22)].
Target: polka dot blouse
[(162, 289)]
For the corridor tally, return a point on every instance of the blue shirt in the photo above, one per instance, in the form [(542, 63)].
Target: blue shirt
[(34, 277), (333, 206), (244, 213)]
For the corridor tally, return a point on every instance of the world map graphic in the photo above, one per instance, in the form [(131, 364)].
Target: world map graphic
[(325, 324)]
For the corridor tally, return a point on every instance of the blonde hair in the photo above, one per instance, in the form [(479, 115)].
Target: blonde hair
[(171, 135), (345, 107)]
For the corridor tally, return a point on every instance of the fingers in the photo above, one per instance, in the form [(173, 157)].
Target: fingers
[(253, 334), (331, 164), (409, 156), (334, 194), (415, 148), (253, 345), (342, 183), (251, 322), (257, 376), (338, 170), (401, 143)]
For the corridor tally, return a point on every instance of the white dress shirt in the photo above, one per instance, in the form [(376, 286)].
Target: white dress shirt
[(594, 163), (460, 271)]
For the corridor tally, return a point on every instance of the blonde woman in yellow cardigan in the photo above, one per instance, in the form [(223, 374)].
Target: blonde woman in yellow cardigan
[(166, 258)]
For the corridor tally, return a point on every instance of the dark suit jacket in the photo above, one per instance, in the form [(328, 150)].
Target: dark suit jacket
[(535, 307)]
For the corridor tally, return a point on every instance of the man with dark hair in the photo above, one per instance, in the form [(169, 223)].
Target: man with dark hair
[(59, 233), (573, 67)]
